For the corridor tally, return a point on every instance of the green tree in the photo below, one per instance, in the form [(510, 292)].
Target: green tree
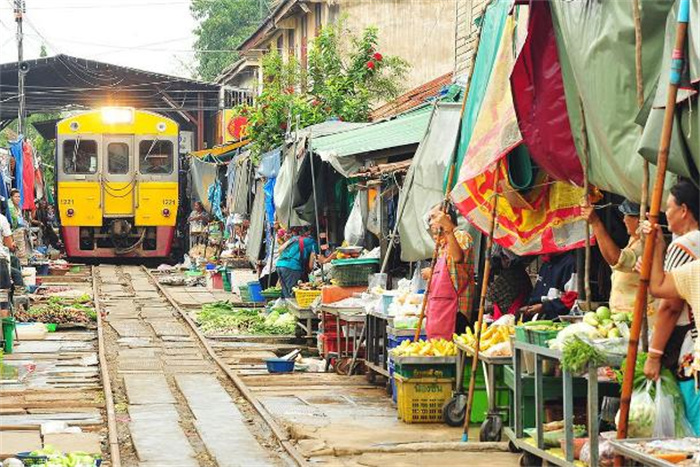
[(223, 26), (346, 77)]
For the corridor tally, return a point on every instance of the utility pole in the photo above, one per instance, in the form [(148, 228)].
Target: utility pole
[(21, 67)]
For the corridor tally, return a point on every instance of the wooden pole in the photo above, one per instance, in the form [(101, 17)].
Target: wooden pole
[(586, 163), (640, 304), (436, 250), (644, 201), (482, 302)]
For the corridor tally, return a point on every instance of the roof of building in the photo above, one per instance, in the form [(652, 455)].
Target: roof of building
[(413, 98), (54, 83), (277, 13)]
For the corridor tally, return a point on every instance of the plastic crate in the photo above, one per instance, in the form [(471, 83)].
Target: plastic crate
[(245, 294), (354, 272), (521, 334), (430, 370), (330, 345), (537, 337), (306, 297), (395, 341), (420, 400)]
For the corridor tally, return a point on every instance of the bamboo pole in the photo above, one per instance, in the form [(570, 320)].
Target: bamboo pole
[(482, 303), (436, 250), (586, 163), (640, 303), (636, 14)]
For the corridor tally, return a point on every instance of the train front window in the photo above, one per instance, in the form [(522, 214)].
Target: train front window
[(118, 158), (80, 156), (155, 157)]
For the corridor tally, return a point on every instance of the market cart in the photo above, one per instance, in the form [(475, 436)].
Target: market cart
[(377, 345), (305, 318), (350, 324), (455, 410), (535, 452)]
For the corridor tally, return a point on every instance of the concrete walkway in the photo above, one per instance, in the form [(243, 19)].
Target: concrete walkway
[(179, 413)]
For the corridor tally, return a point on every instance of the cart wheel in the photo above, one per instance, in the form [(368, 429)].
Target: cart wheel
[(491, 428), (342, 366), (513, 448), (371, 376), (454, 410), (529, 460)]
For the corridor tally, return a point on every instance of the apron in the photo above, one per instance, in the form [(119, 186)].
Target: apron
[(442, 303)]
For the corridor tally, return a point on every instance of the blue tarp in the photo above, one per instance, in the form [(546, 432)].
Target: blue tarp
[(16, 151)]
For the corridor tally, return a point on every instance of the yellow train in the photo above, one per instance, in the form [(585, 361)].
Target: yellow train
[(117, 183)]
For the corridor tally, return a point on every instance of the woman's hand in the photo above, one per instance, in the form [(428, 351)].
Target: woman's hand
[(652, 368), (588, 213), (425, 273)]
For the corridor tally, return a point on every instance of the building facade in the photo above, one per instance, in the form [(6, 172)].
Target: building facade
[(422, 32)]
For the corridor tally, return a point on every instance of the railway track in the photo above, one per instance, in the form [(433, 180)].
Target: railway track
[(170, 400)]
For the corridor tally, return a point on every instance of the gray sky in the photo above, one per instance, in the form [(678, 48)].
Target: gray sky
[(153, 35)]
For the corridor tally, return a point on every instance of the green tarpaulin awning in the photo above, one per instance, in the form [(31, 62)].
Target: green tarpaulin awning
[(340, 149)]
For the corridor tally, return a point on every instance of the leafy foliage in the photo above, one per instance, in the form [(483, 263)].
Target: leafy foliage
[(339, 83), (223, 26)]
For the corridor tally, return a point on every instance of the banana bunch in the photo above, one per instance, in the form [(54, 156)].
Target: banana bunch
[(490, 336), (421, 348)]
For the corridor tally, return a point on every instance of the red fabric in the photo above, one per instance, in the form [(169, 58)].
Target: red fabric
[(569, 298), (442, 303), (27, 177), (540, 103)]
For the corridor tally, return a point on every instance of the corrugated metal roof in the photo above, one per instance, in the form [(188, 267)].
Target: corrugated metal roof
[(402, 130)]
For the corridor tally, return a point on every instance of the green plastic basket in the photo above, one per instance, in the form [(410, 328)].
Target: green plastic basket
[(354, 272)]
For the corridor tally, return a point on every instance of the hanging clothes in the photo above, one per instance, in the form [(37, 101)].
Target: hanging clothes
[(16, 149), (39, 181), (214, 198), (202, 175), (27, 189)]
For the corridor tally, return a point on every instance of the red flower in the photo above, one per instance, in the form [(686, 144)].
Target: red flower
[(378, 57), (283, 125), (371, 65), (315, 102)]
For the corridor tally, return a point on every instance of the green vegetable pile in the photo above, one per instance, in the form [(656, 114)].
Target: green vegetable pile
[(60, 310), (224, 318), (57, 459), (577, 356)]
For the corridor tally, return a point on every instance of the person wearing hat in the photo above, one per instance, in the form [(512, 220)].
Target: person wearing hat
[(625, 279)]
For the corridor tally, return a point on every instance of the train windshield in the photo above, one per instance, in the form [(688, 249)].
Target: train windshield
[(118, 158), (80, 156), (155, 157)]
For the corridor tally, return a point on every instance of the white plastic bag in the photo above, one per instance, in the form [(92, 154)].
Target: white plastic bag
[(665, 422), (642, 414), (354, 228)]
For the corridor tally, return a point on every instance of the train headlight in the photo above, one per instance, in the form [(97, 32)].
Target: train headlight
[(114, 115), (166, 212), (70, 212)]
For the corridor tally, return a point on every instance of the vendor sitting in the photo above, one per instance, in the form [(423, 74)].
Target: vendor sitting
[(452, 284), (552, 295), (297, 257)]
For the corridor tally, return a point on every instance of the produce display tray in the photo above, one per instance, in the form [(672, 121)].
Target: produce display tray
[(627, 449), (488, 360), (424, 360), (402, 332)]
